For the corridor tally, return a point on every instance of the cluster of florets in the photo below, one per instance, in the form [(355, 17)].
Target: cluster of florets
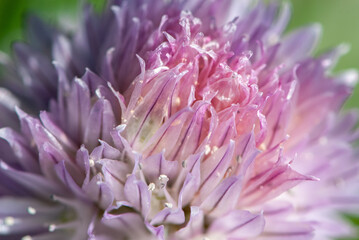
[(186, 123)]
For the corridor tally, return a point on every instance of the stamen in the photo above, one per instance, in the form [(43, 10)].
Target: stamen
[(178, 101), (215, 148), (163, 180), (207, 149), (184, 163), (263, 147), (91, 162), (228, 172), (151, 187), (53, 197), (168, 205), (239, 159)]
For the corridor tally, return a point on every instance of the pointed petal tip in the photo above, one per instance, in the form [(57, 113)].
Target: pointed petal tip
[(121, 127), (349, 77), (3, 165), (316, 28), (343, 48), (20, 113)]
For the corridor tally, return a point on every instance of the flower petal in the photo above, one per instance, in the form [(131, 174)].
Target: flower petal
[(238, 224)]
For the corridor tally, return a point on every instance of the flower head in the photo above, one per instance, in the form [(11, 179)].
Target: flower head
[(176, 120)]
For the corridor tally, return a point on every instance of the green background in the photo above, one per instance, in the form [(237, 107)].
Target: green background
[(340, 22), (339, 19)]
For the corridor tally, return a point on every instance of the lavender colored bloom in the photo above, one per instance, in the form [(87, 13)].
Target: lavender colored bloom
[(176, 120)]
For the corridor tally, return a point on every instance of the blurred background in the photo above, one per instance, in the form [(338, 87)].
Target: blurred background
[(339, 19)]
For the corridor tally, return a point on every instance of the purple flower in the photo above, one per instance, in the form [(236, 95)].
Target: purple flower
[(176, 120)]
